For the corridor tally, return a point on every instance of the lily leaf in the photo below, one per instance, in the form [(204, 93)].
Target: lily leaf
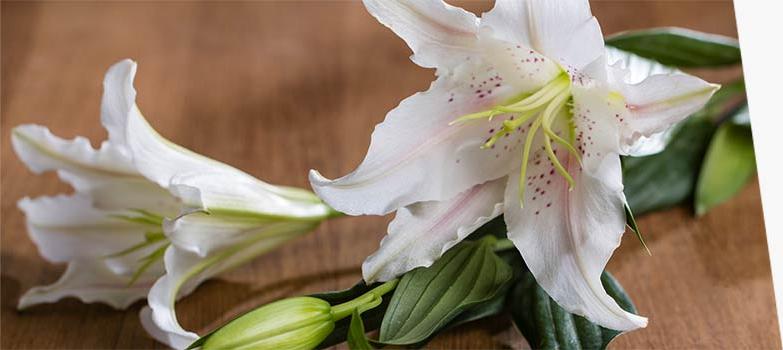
[(679, 47), (495, 227), (666, 179), (489, 308), (729, 163), (546, 325), (357, 339), (427, 299), (631, 223)]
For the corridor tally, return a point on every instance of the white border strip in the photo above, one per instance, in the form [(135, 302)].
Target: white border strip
[(760, 30)]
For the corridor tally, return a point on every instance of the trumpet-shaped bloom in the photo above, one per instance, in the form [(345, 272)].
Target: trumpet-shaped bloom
[(528, 118), (148, 216)]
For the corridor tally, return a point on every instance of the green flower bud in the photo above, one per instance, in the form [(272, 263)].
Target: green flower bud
[(294, 323)]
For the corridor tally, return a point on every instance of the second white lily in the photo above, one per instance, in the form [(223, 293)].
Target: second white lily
[(148, 211)]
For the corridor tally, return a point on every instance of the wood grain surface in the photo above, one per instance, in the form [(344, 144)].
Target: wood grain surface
[(278, 88)]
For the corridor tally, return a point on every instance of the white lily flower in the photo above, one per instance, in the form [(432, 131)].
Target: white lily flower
[(527, 119), (146, 209)]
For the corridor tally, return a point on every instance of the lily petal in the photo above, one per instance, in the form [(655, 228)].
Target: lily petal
[(136, 194), (67, 227), (75, 160), (657, 103), (637, 69), (245, 196), (566, 237), (115, 246), (217, 215), (202, 183), (90, 281), (417, 155), (422, 232), (118, 100), (634, 67), (184, 272), (596, 120), (564, 30), (439, 34), (203, 232)]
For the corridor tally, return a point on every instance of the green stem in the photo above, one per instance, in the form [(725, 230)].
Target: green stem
[(346, 309)]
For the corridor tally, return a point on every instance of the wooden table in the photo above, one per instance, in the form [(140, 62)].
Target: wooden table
[(279, 88)]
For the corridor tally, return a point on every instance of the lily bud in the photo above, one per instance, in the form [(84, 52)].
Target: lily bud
[(294, 323)]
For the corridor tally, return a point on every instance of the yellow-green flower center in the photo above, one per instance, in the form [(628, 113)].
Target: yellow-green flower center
[(540, 109)]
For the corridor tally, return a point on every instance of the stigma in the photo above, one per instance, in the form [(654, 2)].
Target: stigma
[(539, 108)]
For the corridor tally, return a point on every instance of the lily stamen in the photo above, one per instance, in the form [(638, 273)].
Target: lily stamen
[(544, 105), (541, 97), (548, 117), (508, 127), (526, 104)]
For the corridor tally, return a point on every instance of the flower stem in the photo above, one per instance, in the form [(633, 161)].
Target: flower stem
[(343, 310)]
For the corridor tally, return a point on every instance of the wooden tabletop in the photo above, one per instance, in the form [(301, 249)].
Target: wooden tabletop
[(279, 88)]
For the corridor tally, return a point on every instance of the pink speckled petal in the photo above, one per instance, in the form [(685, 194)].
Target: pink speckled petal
[(566, 237)]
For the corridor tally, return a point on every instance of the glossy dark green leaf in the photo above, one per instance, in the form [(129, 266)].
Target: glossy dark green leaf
[(357, 339), (669, 178), (546, 325), (679, 47), (729, 163), (427, 299)]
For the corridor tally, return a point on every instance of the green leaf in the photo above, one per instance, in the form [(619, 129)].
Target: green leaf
[(729, 163), (723, 98), (485, 309), (631, 222), (357, 339), (668, 178), (427, 299), (546, 325), (495, 227), (679, 47)]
